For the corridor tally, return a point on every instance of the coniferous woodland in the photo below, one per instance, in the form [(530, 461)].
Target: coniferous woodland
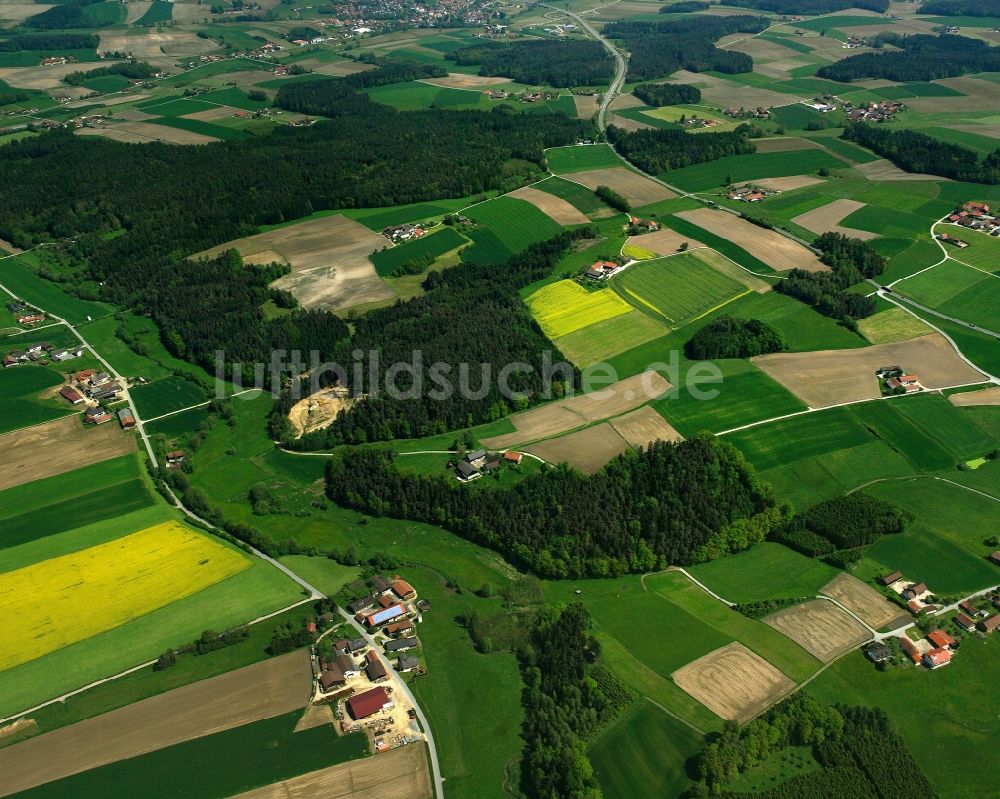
[(811, 6), (656, 151), (726, 337), (922, 57), (134, 70), (174, 201), (962, 8), (566, 701), (860, 754), (914, 151), (49, 41), (847, 522), (660, 48), (660, 94), (672, 503), (685, 7), (67, 16), (394, 71), (439, 325), (556, 63), (850, 261)]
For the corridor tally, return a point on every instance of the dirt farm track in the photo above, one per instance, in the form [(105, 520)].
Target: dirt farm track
[(399, 774), (263, 690)]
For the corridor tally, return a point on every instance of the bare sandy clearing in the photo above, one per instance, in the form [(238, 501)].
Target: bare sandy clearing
[(554, 207), (775, 250), (643, 426), (727, 93), (819, 627), (397, 774), (264, 690), (733, 682), (882, 169), (864, 601), (830, 377), (972, 399), (27, 455), (558, 417), (638, 190), (319, 410), (827, 218), (663, 242), (587, 450), (329, 260)]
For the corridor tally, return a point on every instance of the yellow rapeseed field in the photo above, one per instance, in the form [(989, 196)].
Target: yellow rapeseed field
[(566, 306), (73, 597)]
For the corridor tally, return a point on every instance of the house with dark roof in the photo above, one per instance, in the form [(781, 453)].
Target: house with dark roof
[(401, 628), (401, 644), (359, 605), (332, 679), (345, 663), (890, 578), (374, 668), (967, 623), (96, 415), (406, 663), (380, 584), (877, 652), (467, 472), (991, 624), (71, 394), (126, 419)]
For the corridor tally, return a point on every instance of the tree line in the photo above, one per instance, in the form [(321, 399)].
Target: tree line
[(669, 504), (808, 7), (962, 8), (394, 71), (660, 94), (172, 201), (726, 337), (472, 316), (859, 751), (656, 151), (49, 41), (566, 699), (658, 48), (571, 62), (914, 151), (850, 261), (133, 70), (685, 7), (921, 58)]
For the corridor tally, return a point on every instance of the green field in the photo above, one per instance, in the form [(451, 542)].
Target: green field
[(234, 97), (958, 291), (17, 275), (178, 424), (506, 227), (165, 396), (564, 160), (750, 167), (204, 128), (765, 571), (20, 405), (942, 721), (160, 11), (642, 755), (324, 573), (566, 307), (84, 496), (431, 246), (215, 766), (676, 289), (602, 340), (804, 329), (175, 106), (236, 600), (580, 197)]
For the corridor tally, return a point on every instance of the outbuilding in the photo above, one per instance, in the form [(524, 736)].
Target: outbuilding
[(366, 704)]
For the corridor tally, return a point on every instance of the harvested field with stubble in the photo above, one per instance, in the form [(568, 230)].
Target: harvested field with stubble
[(789, 183), (733, 682), (554, 207), (37, 77), (784, 144), (974, 399), (830, 377), (146, 132), (398, 774), (723, 93), (336, 69), (775, 250), (587, 450), (827, 218), (328, 257), (663, 242), (979, 94), (27, 455), (261, 691), (883, 169), (559, 417), (865, 602), (211, 114), (819, 627), (643, 426), (635, 188), (586, 105)]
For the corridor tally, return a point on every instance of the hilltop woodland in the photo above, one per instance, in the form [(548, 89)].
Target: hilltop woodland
[(669, 504), (726, 337), (566, 701), (851, 261), (811, 6), (860, 754), (67, 16), (656, 151), (921, 58), (437, 325), (917, 152), (962, 8), (659, 94), (555, 63), (174, 201), (660, 48), (392, 71), (133, 70), (843, 523), (49, 41)]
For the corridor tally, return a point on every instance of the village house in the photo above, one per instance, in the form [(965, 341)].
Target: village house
[(602, 270), (941, 639), (386, 601), (345, 663), (476, 458), (381, 585), (96, 415), (360, 605), (937, 658), (995, 557), (401, 645), (513, 457), (910, 648), (126, 419), (991, 624), (406, 663), (67, 354), (175, 458), (890, 578), (644, 225), (948, 239), (466, 472), (400, 628), (380, 617), (397, 233), (375, 669), (877, 652), (403, 589), (914, 590), (965, 622), (353, 646), (331, 679), (30, 318)]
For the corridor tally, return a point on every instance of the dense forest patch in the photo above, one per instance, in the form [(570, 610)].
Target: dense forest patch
[(656, 151), (726, 337), (921, 58), (660, 94), (552, 62)]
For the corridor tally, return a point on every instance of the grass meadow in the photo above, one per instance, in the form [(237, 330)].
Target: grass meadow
[(765, 571), (580, 197), (507, 226), (20, 404), (580, 158), (432, 246), (165, 396), (602, 340), (676, 289), (754, 166), (18, 276), (215, 766)]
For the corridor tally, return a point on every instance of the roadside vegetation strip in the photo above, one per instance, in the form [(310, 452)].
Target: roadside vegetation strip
[(565, 307)]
